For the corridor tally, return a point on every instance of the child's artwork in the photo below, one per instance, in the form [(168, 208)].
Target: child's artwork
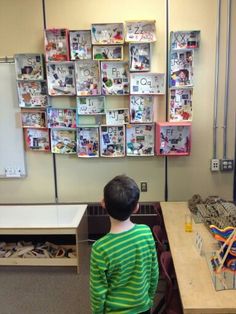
[(87, 78), (80, 45), (112, 141), (33, 118), (88, 141), (173, 138), (181, 68), (108, 52), (32, 94), (115, 78), (139, 57), (61, 118), (61, 79), (107, 34), (141, 109), (147, 83), (140, 31), (117, 116), (140, 140), (29, 66), (185, 39), (63, 141), (180, 104), (37, 139), (91, 105), (56, 44)]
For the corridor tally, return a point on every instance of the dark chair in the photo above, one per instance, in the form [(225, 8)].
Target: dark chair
[(159, 239), (172, 298)]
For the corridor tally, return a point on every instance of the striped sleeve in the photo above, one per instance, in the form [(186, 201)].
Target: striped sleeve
[(154, 274), (98, 282)]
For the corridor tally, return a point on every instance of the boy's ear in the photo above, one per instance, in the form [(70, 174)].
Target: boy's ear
[(103, 203), (136, 209)]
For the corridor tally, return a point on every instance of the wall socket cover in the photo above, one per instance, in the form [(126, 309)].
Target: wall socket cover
[(143, 186), (215, 165)]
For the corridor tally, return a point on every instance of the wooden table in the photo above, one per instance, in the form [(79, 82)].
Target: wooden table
[(45, 220), (197, 292)]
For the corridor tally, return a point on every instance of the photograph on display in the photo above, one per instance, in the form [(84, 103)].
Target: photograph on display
[(140, 31), (173, 138), (29, 66), (108, 52), (61, 118), (117, 116), (32, 94), (115, 78), (56, 44), (180, 104), (63, 141), (185, 39), (33, 118), (80, 44), (88, 141), (87, 78), (181, 68), (37, 139), (141, 109), (107, 34), (139, 57), (140, 140), (61, 78), (112, 141), (147, 83), (91, 105)]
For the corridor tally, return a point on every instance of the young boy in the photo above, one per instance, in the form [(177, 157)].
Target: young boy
[(124, 269)]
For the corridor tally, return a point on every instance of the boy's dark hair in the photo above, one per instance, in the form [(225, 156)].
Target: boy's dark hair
[(121, 196)]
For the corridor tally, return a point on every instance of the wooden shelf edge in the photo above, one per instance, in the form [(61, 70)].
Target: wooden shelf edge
[(38, 261)]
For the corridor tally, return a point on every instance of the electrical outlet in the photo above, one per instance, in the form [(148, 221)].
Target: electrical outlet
[(226, 164), (215, 165), (143, 186)]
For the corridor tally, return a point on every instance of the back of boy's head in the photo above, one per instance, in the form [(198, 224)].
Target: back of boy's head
[(121, 196)]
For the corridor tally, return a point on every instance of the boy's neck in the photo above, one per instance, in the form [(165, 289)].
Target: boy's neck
[(118, 226)]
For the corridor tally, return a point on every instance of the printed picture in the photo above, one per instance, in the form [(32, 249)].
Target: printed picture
[(33, 118), (80, 45), (140, 31), (107, 34), (63, 141), (117, 116), (147, 83), (56, 44), (91, 105), (61, 118), (32, 94), (140, 140), (37, 139), (115, 78), (88, 142), (112, 141), (181, 69), (139, 57), (29, 66), (185, 40), (180, 105), (141, 109), (61, 79), (108, 52)]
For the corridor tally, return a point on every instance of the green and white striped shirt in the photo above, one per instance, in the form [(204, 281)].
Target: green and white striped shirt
[(124, 272)]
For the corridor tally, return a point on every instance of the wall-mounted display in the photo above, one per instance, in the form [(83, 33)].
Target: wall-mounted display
[(88, 141), (140, 31), (61, 118), (108, 52), (173, 138), (147, 83), (32, 94), (107, 34), (87, 78), (117, 116), (91, 105), (181, 68), (180, 104), (33, 118), (56, 42), (184, 39), (37, 139), (115, 78), (139, 57), (141, 109), (63, 141), (112, 141), (29, 66), (80, 44), (140, 139), (61, 78)]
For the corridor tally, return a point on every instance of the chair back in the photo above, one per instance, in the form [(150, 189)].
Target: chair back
[(168, 270)]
